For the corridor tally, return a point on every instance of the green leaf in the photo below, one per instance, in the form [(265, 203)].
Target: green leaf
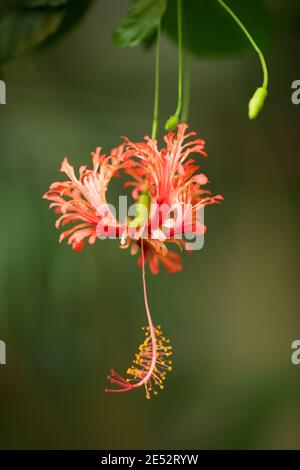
[(74, 14), (21, 30), (209, 30), (27, 24), (142, 19)]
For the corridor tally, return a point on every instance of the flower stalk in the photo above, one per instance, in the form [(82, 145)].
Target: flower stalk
[(156, 92), (174, 120), (256, 103)]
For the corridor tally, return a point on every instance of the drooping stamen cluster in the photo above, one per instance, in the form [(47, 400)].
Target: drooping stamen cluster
[(141, 365), (139, 371), (151, 364)]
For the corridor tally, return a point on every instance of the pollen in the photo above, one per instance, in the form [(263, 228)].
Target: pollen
[(143, 359), (150, 365)]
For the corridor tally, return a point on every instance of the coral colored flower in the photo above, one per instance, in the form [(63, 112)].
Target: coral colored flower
[(78, 200), (169, 175), (169, 192)]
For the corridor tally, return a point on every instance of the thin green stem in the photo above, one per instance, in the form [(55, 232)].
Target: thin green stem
[(180, 58), (156, 93), (186, 89), (250, 38)]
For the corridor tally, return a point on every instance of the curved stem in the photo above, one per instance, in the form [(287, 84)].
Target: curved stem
[(156, 93), (151, 327), (180, 54), (250, 38)]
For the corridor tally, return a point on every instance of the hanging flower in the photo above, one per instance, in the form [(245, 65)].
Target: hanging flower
[(168, 190)]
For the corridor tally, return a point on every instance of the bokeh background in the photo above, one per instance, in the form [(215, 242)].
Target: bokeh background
[(232, 313)]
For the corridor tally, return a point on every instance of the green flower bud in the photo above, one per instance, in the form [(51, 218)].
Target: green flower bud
[(172, 123), (257, 102)]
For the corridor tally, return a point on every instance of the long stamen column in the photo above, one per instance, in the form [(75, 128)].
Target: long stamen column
[(152, 361)]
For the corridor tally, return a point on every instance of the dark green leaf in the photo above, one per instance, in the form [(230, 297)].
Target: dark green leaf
[(209, 30), (27, 24), (74, 13), (23, 29), (140, 22)]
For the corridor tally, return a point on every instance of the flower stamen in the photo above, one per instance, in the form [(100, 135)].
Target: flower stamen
[(150, 365)]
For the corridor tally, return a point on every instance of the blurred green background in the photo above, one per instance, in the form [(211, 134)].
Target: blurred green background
[(232, 313)]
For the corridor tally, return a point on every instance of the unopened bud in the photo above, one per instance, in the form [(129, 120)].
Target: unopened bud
[(172, 123), (257, 102)]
